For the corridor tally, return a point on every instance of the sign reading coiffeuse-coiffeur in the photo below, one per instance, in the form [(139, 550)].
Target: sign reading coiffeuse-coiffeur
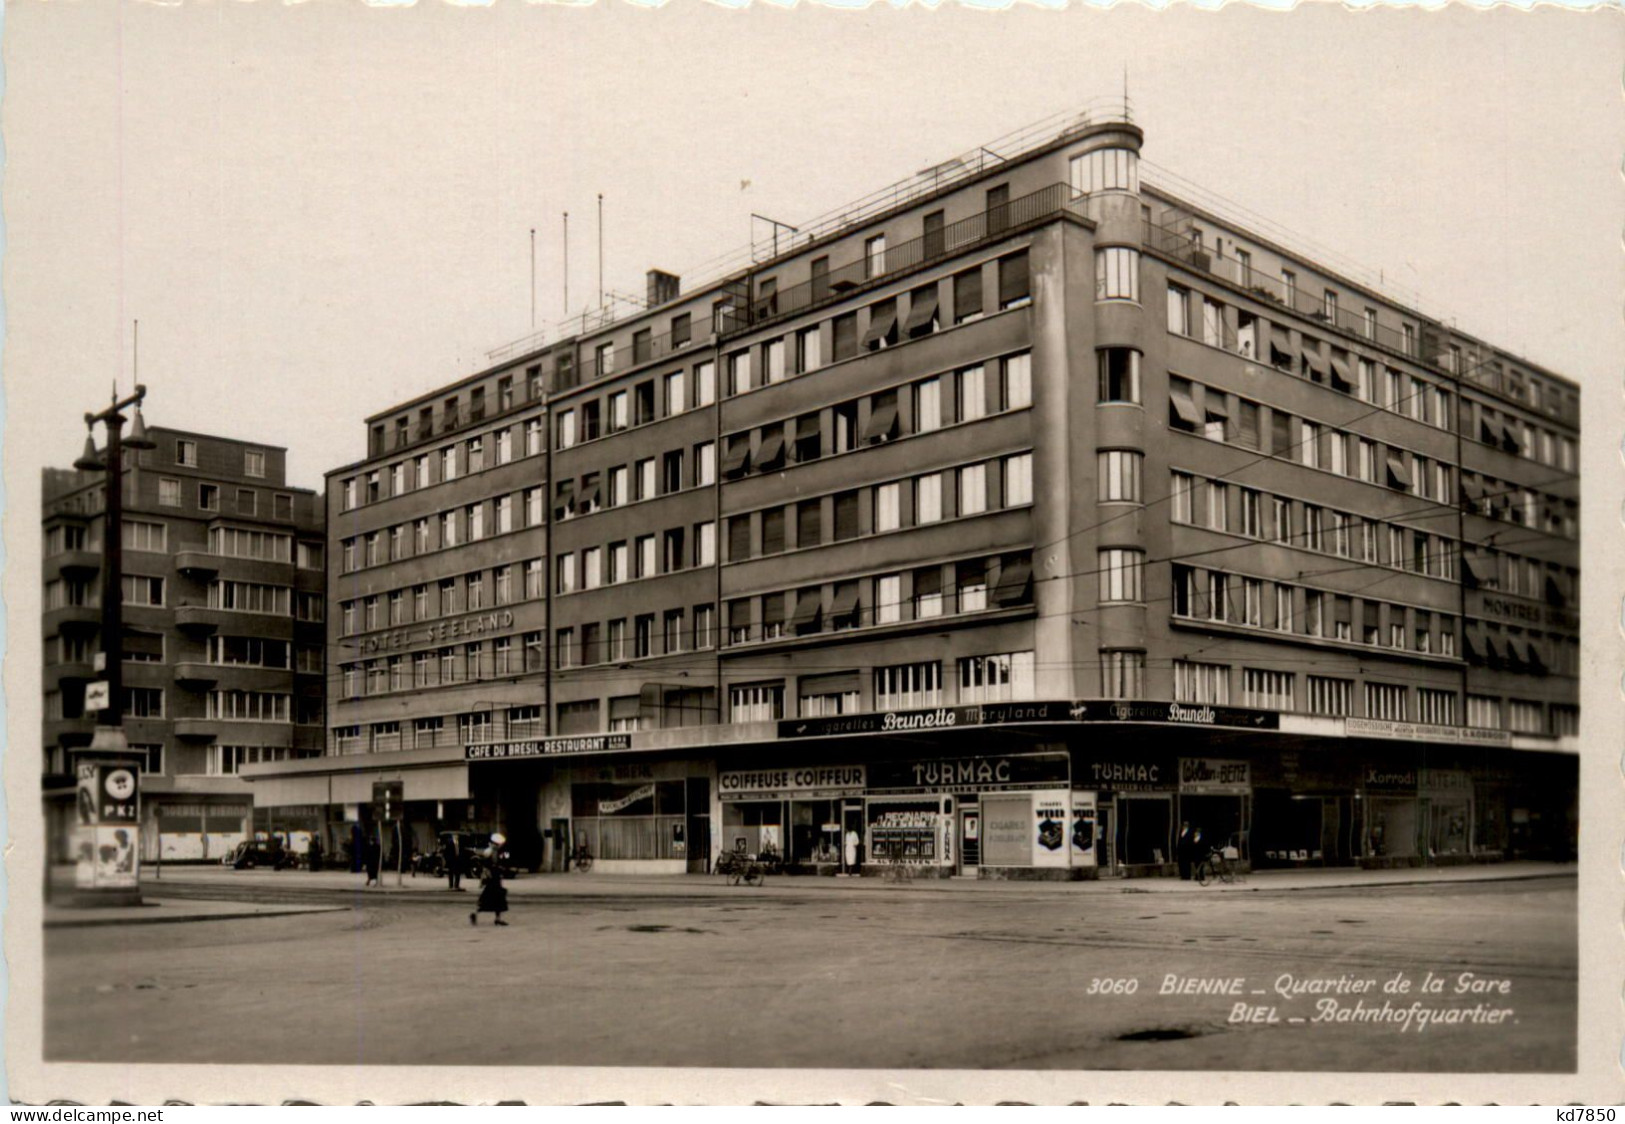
[(806, 783)]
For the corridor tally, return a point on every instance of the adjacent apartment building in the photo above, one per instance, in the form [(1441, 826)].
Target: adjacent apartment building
[(223, 594), (1009, 519)]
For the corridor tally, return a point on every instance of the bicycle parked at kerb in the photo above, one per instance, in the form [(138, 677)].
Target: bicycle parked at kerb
[(581, 860), (1219, 864)]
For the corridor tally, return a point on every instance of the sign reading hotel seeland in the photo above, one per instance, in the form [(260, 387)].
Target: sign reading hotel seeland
[(439, 631)]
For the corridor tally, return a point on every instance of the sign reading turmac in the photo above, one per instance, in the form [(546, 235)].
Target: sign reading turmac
[(547, 747)]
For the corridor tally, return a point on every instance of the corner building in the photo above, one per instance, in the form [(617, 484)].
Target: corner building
[(1026, 511), (224, 591)]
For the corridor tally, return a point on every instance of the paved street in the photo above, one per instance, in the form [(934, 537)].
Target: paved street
[(682, 972)]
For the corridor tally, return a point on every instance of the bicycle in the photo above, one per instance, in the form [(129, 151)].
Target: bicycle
[(1216, 865), (581, 860)]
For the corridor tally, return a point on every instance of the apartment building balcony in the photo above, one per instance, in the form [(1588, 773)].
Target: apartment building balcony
[(204, 620), (199, 564), (232, 677), (200, 620), (74, 564), (57, 674), (68, 732), (84, 618), (233, 732), (195, 676)]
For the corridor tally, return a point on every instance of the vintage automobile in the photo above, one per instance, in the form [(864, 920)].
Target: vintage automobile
[(254, 852)]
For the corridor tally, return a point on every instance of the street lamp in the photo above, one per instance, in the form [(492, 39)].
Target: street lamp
[(108, 777)]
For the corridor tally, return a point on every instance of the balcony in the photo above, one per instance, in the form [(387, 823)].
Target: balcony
[(85, 618), (196, 563), (234, 732), (197, 729), (76, 563), (80, 670), (70, 732), (200, 620), (195, 676)]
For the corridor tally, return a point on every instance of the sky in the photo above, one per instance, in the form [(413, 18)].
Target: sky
[(318, 210)]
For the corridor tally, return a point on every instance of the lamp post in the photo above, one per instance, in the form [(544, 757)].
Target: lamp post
[(108, 802)]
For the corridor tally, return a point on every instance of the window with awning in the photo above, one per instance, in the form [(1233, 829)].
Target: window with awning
[(565, 500), (737, 458), (1342, 377), (1184, 412), (809, 611), (1510, 440), (1554, 593), (967, 295), (1472, 493), (1477, 571), (1535, 658), (1015, 582), (771, 454), (882, 422), (1314, 364), (922, 312), (143, 645), (589, 498), (1398, 477), (1518, 651), (882, 325), (1492, 651), (835, 683), (1280, 348), (845, 608), (1472, 646)]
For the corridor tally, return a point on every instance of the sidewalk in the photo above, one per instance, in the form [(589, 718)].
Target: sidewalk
[(695, 885), (158, 911)]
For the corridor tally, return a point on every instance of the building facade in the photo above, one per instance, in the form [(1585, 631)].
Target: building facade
[(223, 596), (1010, 521)]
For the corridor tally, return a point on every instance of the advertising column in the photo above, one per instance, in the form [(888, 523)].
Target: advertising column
[(109, 811)]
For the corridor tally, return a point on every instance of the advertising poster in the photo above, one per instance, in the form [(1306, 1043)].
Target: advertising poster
[(115, 857), (1050, 824), (1081, 839), (84, 874)]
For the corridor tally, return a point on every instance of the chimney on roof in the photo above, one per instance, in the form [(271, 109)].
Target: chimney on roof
[(663, 287)]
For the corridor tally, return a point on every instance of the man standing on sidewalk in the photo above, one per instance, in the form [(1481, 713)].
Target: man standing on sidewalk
[(453, 852), (1184, 847)]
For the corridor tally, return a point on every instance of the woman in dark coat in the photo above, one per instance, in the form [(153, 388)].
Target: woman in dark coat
[(373, 857), (493, 895)]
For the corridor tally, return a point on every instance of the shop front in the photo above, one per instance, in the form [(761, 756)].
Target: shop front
[(797, 813), (1215, 798), (632, 815), (1307, 807), (1418, 816), (1135, 794)]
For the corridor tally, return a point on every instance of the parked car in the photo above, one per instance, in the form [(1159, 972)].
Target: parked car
[(252, 853), (477, 855)]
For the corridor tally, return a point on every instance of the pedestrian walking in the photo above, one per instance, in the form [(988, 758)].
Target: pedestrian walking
[(452, 852), (493, 894), (1184, 849), (314, 854), (372, 857)]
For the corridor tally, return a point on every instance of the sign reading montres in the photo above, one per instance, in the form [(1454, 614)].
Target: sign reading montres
[(437, 632), (547, 747)]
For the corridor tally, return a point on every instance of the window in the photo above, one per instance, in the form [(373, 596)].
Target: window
[(1105, 169), (928, 498), (1385, 700), (888, 507), (1018, 480), (1122, 575), (996, 678), (967, 296), (1015, 286), (705, 544), (618, 568), (672, 630), (1182, 413), (1118, 474), (809, 349), (1252, 513), (1435, 707), (1182, 492), (1122, 674), (1119, 374), (971, 394), (671, 465), (1484, 712), (756, 702), (591, 569), (644, 479), (874, 256), (773, 531), (1201, 682), (705, 626), (646, 556), (927, 405), (567, 432), (1179, 310), (566, 573), (620, 414), (972, 494), (1271, 690), (604, 359), (186, 453), (1218, 505), (1017, 389), (564, 643), (1525, 717), (1117, 273), (888, 599), (1289, 283), (169, 493), (1327, 695), (928, 593), (908, 686), (705, 384), (208, 497)]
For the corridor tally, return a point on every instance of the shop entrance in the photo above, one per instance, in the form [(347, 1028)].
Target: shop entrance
[(561, 846), (1106, 839), (970, 838), (1145, 829), (1222, 820), (851, 838), (698, 825)]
